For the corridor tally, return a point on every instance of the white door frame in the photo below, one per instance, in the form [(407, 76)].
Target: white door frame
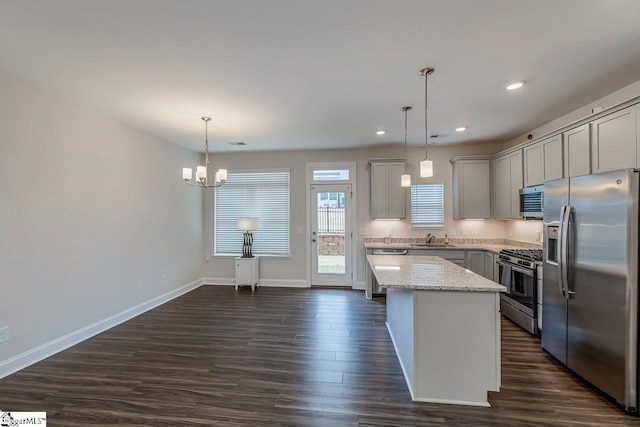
[(351, 167), (326, 278)]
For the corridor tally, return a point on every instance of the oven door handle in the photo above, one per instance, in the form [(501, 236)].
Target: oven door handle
[(526, 272)]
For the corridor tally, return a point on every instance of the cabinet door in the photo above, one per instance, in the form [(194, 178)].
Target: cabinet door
[(577, 152), (379, 190), (475, 262), (488, 265), (515, 165), (244, 274), (502, 186), (533, 168), (552, 164), (613, 141), (395, 190), (472, 189)]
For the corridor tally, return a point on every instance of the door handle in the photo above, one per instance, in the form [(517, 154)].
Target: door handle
[(313, 240)]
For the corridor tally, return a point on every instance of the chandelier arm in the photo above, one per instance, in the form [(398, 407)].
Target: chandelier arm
[(205, 185)]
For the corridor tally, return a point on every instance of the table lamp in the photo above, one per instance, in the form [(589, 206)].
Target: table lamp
[(247, 224)]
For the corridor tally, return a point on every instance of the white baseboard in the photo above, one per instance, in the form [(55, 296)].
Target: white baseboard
[(284, 283), (277, 283), (360, 286), (29, 357), (215, 281)]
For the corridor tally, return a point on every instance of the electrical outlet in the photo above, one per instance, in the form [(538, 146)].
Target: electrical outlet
[(538, 236), (389, 232), (509, 233), (451, 232), (4, 334), (463, 232), (363, 231)]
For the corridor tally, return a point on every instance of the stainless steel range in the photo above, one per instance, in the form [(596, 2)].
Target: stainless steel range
[(517, 272)]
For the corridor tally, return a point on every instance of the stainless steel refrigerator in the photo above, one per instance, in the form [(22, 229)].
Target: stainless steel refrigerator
[(590, 280)]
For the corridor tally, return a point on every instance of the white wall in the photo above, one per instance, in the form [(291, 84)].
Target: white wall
[(93, 214), (294, 268)]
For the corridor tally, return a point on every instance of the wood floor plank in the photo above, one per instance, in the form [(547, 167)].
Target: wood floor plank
[(281, 356)]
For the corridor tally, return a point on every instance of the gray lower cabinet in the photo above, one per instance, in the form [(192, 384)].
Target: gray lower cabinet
[(475, 262), (489, 263), (482, 263), (456, 257)]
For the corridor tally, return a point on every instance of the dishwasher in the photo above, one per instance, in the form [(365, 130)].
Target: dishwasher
[(376, 290)]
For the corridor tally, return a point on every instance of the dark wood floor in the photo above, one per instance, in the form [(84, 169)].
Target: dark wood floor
[(281, 356)]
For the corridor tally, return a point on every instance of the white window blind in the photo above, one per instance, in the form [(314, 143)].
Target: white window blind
[(427, 205), (264, 195)]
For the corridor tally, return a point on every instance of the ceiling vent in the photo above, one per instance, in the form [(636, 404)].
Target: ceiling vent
[(236, 143)]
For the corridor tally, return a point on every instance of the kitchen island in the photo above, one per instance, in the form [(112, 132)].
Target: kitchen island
[(444, 322)]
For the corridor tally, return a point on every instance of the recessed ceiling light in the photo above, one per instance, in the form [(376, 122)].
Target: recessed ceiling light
[(381, 132), (516, 85), (461, 129)]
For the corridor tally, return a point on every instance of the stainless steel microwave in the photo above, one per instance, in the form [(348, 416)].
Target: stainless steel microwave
[(531, 200)]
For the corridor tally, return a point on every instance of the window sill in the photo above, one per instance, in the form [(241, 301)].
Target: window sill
[(233, 256)]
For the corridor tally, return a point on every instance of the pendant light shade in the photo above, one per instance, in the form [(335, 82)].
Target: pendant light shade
[(405, 179), (426, 166)]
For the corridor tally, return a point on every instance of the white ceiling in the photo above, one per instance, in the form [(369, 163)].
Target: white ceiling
[(298, 74)]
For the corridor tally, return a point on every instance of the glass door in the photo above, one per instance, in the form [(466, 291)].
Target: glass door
[(331, 236)]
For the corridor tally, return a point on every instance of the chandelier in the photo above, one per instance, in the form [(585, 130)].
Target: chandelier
[(201, 171)]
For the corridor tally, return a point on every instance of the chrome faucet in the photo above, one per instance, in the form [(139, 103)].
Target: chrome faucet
[(430, 238)]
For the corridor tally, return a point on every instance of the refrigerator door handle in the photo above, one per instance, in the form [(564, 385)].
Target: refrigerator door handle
[(568, 251), (563, 251), (559, 251)]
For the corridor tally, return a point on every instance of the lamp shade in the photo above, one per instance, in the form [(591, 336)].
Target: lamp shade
[(426, 168), (405, 180), (247, 223), (201, 172), (187, 174), (221, 175)]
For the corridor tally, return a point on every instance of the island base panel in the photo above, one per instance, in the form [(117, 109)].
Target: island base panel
[(448, 343)]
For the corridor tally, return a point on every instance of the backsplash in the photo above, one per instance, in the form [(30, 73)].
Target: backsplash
[(454, 241)]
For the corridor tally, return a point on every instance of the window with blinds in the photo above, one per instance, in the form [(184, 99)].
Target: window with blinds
[(427, 205), (261, 194)]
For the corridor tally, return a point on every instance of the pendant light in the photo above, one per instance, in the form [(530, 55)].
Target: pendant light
[(405, 179), (426, 166), (201, 171)]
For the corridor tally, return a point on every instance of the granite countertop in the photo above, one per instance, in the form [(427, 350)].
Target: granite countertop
[(427, 273), (488, 245)]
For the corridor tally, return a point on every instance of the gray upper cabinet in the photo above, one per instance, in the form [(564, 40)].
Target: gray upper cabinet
[(614, 140), (552, 158), (533, 166), (508, 182), (387, 196), (543, 161), (577, 151), (471, 187)]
